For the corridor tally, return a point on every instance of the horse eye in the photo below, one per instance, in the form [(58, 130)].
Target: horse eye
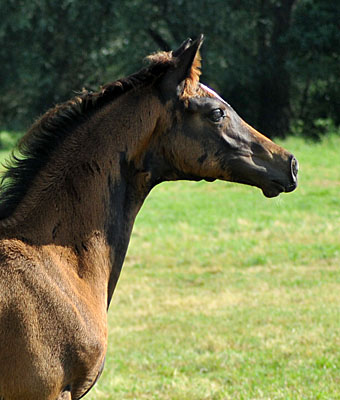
[(216, 115)]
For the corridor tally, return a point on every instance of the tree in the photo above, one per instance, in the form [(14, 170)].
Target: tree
[(50, 48), (275, 61), (274, 79), (315, 63)]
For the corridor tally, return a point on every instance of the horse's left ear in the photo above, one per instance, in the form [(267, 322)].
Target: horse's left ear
[(187, 65)]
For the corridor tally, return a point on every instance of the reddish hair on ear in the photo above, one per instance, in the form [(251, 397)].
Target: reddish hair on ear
[(191, 82)]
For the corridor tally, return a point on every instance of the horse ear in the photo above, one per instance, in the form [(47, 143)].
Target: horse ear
[(184, 46), (187, 64)]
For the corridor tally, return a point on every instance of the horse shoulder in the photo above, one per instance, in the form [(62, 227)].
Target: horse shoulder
[(50, 336)]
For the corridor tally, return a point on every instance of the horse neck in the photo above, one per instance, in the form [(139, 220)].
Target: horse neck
[(87, 199)]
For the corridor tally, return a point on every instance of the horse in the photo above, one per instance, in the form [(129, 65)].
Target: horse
[(69, 198)]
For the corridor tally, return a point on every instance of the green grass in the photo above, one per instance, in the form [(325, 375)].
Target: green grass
[(228, 295)]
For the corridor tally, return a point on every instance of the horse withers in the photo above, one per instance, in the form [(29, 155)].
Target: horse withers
[(68, 204)]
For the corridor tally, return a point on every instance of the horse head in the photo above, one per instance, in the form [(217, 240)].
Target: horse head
[(208, 140)]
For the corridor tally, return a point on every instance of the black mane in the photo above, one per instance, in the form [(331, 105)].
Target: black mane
[(47, 133)]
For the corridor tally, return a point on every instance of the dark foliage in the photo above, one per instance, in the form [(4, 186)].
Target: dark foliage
[(276, 61)]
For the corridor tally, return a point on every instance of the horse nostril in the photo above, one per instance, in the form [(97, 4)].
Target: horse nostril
[(294, 167)]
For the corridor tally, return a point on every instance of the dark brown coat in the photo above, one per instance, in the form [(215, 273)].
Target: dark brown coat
[(69, 203)]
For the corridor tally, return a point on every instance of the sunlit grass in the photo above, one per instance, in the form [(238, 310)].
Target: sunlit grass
[(228, 295)]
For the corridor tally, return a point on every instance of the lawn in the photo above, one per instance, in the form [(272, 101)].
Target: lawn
[(228, 295)]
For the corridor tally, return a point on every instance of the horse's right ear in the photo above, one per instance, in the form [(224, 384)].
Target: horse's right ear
[(186, 66)]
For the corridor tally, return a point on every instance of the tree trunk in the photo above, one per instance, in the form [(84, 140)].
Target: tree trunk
[(274, 79)]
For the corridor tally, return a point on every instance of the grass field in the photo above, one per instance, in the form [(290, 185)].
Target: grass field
[(228, 295)]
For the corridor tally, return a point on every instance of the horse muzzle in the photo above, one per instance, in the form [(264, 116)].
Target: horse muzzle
[(279, 186)]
